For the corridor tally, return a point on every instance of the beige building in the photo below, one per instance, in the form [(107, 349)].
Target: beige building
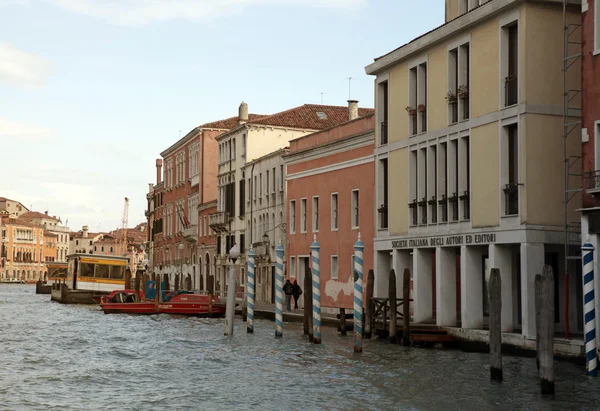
[(83, 241), (12, 208), (53, 225), (469, 163)]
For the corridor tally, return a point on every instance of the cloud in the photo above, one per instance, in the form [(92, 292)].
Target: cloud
[(10, 129), (22, 68), (142, 12)]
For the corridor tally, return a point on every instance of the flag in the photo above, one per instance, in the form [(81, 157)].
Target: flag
[(179, 215), (187, 222)]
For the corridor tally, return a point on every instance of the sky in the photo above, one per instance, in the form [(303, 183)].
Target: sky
[(92, 91)]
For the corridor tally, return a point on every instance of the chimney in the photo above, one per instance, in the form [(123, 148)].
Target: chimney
[(150, 187), (243, 113), (352, 109), (85, 231), (158, 171), (45, 212)]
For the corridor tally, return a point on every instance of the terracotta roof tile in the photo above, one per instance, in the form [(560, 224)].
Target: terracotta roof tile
[(231, 122), (34, 214), (311, 116)]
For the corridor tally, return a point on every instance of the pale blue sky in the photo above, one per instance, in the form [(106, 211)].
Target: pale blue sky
[(91, 91)]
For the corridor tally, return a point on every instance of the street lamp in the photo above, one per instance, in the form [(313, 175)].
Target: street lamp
[(234, 253)]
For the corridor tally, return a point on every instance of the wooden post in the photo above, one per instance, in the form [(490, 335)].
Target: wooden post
[(406, 308), (167, 285), (210, 284), (137, 286), (308, 305), (188, 285), (307, 286), (368, 306), (392, 294), (176, 282), (342, 321), (145, 284), (495, 304), (157, 297), (128, 279), (538, 304), (547, 331)]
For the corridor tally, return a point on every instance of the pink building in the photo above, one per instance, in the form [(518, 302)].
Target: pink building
[(330, 194)]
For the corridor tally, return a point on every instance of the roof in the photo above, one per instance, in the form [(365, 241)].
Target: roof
[(231, 122), (35, 214), (310, 116), (2, 199), (49, 234), (91, 236)]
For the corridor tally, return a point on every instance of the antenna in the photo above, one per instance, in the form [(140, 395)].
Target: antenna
[(322, 97), (349, 88), (180, 134)]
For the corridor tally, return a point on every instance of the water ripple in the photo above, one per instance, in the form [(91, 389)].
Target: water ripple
[(57, 357)]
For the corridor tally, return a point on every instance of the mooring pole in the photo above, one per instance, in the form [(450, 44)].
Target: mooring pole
[(137, 286), (537, 287), (495, 303), (359, 249), (589, 311), (308, 302), (368, 306), (392, 297), (251, 279), (316, 290), (279, 291), (406, 308), (547, 332), (234, 253)]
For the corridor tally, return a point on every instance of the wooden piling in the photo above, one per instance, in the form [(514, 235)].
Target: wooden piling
[(342, 321), (392, 295), (128, 279), (307, 286), (188, 283), (157, 296), (308, 303), (406, 308), (167, 285), (546, 347), (144, 284), (537, 282), (495, 304), (368, 328), (176, 282), (137, 286)]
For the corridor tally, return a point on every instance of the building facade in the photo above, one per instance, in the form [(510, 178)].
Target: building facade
[(12, 208), (53, 225), (249, 141), (23, 248), (207, 246), (82, 241), (330, 191), (469, 163), (186, 183), (590, 93)]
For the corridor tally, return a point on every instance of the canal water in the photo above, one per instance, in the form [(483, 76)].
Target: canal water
[(59, 357)]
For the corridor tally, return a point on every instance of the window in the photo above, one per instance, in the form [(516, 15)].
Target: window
[(293, 216), (417, 104), (442, 181), (383, 90), (268, 182), (510, 63), (382, 206), (453, 184), (597, 25), (274, 180), (242, 197), (233, 149), (458, 84), (511, 188), (255, 184), (334, 267), (91, 242), (244, 145), (413, 185), (465, 177), (292, 267), (315, 214), (282, 178), (76, 242), (432, 183), (355, 204), (334, 211), (303, 215)]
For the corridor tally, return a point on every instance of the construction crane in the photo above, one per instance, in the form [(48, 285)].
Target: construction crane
[(125, 223)]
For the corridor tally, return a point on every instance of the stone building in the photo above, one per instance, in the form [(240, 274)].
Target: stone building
[(53, 225), (22, 250), (469, 162), (82, 241)]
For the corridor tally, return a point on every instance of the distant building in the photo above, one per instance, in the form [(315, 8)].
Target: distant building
[(53, 225), (83, 241), (12, 208), (330, 195), (22, 250)]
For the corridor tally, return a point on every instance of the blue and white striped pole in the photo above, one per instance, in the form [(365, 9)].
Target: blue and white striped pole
[(316, 291), (279, 291), (589, 310), (359, 248), (251, 288)]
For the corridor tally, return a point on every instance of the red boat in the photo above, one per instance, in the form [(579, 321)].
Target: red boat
[(124, 302), (185, 303)]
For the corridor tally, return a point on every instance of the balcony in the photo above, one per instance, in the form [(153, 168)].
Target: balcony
[(218, 221), (195, 180), (262, 250), (191, 233), (591, 182)]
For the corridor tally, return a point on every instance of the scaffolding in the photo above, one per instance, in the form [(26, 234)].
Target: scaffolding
[(572, 164)]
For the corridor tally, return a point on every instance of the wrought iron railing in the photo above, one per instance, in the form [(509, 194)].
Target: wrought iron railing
[(591, 179), (511, 198)]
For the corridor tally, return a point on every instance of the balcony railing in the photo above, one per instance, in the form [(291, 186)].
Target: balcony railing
[(444, 205), (218, 221), (453, 200), (511, 198), (383, 216), (464, 198), (591, 180), (414, 212), (191, 233), (510, 90), (384, 132)]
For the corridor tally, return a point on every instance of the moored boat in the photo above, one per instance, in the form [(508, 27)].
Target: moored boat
[(187, 303), (125, 302)]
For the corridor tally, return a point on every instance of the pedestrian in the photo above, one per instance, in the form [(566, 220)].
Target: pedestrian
[(296, 292), (287, 289)]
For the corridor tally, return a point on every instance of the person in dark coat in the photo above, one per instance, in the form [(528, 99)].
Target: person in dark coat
[(287, 289), (296, 292)]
